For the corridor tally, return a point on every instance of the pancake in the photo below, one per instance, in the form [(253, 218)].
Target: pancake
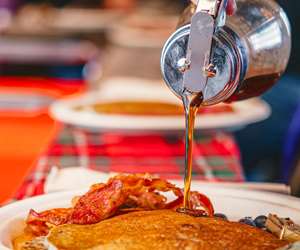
[(148, 108), (161, 229)]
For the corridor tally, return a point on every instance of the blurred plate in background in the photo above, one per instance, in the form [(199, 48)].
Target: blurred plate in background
[(24, 102), (46, 51), (138, 30), (46, 20), (77, 111)]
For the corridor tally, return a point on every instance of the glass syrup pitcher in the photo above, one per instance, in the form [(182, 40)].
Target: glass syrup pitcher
[(249, 51)]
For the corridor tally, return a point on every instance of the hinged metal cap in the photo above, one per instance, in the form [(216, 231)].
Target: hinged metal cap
[(223, 59)]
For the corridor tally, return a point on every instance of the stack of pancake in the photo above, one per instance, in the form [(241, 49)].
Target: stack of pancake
[(149, 230)]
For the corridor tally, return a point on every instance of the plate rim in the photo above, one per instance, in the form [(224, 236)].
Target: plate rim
[(63, 111), (290, 202)]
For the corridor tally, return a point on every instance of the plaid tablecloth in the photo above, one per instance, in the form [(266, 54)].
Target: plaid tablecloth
[(216, 156)]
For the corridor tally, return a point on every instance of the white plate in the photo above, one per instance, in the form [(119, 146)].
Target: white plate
[(245, 112), (233, 202)]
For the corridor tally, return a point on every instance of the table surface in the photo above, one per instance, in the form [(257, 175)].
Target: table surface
[(216, 157), (24, 136)]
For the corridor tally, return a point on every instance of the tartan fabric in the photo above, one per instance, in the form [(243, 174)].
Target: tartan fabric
[(216, 156)]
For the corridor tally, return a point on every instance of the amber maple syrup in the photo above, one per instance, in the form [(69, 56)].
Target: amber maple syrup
[(191, 105), (251, 87)]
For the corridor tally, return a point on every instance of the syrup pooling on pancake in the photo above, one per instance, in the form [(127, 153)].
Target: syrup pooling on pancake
[(121, 194)]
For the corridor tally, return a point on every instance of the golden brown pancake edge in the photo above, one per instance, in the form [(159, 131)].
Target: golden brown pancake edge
[(162, 229)]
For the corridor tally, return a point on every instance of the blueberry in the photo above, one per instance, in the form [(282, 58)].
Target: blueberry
[(248, 221), (221, 216), (260, 221)]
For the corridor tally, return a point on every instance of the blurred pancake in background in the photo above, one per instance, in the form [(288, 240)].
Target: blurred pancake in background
[(150, 108), (137, 104)]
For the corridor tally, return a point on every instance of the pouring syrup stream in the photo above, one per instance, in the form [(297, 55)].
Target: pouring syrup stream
[(191, 103)]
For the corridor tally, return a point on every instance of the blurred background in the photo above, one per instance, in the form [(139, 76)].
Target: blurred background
[(53, 49)]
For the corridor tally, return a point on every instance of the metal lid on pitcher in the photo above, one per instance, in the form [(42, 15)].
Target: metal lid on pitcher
[(224, 68)]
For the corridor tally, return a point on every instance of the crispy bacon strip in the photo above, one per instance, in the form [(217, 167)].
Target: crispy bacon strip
[(201, 201), (121, 194), (98, 204), (39, 223)]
